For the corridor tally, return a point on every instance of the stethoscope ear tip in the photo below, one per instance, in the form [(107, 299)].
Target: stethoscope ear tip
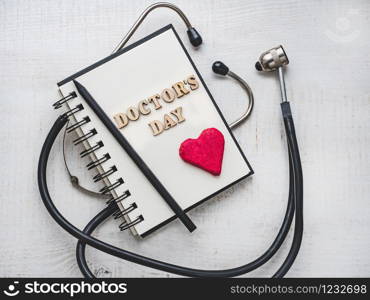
[(220, 68), (194, 37)]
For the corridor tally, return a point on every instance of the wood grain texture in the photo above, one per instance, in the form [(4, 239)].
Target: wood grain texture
[(41, 42)]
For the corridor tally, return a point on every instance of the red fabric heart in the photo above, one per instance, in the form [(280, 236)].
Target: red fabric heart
[(205, 152)]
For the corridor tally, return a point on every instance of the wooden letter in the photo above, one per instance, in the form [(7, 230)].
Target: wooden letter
[(168, 95), (133, 113), (156, 126), (192, 81), (168, 122), (121, 120), (154, 99), (143, 110), (178, 114), (180, 89)]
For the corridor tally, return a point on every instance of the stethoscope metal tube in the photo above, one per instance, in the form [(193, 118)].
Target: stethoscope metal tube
[(194, 36), (220, 68), (250, 106), (282, 84)]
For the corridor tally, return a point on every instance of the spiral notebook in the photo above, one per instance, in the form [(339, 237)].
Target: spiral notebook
[(157, 99)]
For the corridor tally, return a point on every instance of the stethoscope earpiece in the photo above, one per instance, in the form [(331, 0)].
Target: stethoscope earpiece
[(220, 68), (194, 37)]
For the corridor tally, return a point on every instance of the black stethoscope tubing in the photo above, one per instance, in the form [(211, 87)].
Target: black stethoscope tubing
[(295, 206)]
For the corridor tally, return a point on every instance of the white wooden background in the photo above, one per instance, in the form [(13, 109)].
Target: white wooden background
[(328, 44)]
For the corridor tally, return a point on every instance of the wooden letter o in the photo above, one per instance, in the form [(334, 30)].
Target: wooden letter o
[(133, 113)]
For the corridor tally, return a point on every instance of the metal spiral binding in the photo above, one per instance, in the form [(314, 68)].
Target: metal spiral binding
[(120, 198), (60, 102), (92, 149), (107, 173), (85, 137), (97, 162), (84, 121), (107, 189), (125, 226), (121, 213), (72, 111)]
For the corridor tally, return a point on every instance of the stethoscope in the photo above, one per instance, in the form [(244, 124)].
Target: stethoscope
[(271, 60)]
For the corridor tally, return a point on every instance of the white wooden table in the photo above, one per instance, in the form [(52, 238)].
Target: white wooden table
[(328, 44)]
